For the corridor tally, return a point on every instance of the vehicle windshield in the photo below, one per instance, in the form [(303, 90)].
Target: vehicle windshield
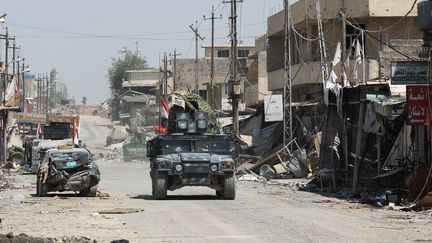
[(175, 146), (74, 156), (211, 146)]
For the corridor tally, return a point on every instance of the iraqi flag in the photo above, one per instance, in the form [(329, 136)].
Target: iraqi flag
[(39, 131), (75, 133), (164, 114)]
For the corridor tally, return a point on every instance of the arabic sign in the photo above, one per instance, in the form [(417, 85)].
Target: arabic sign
[(273, 108), (405, 72), (29, 77), (418, 104)]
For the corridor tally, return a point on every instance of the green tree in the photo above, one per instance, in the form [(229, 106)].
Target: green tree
[(84, 100), (128, 60)]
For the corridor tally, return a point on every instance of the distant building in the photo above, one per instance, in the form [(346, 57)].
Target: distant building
[(186, 79), (138, 104), (143, 81)]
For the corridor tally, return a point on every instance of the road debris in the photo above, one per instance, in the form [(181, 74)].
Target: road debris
[(102, 195), (121, 211), (23, 238)]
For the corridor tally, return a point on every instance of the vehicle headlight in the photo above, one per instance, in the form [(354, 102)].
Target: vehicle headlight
[(229, 163), (182, 124), (178, 168), (163, 164), (214, 168), (202, 124)]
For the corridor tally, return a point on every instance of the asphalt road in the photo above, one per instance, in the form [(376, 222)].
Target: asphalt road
[(260, 213)]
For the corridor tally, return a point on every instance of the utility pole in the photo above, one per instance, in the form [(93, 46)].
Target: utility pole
[(212, 18), (197, 35), (5, 112), (323, 51), (381, 61), (47, 93), (6, 64), (287, 121), (344, 77), (38, 94), (175, 68), (234, 81), (52, 81), (17, 76), (42, 94), (344, 44), (137, 47), (165, 70), (24, 86), (13, 56)]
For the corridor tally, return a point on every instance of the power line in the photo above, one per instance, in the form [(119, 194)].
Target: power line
[(83, 35), (389, 27), (93, 35), (389, 46), (99, 37)]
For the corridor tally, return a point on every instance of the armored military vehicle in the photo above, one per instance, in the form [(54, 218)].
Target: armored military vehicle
[(135, 147), (192, 157)]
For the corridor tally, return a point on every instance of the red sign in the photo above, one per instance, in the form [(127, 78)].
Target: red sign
[(418, 104)]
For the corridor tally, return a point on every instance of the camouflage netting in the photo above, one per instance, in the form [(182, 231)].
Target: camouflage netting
[(193, 103)]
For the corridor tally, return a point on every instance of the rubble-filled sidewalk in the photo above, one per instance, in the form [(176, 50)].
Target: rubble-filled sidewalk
[(20, 207)]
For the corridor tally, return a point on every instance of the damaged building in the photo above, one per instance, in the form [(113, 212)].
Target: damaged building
[(138, 106), (356, 123)]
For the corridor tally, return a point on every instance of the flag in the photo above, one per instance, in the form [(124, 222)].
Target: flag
[(358, 56), (164, 115), (358, 52), (338, 55), (75, 133), (165, 110), (2, 19), (39, 131), (11, 91), (159, 129), (79, 130)]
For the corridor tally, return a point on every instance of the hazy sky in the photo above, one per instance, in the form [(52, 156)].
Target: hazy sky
[(79, 37)]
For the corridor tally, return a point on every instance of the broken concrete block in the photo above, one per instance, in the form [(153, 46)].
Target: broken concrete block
[(280, 169)]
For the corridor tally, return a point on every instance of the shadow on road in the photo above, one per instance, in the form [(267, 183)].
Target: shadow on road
[(61, 195), (178, 197)]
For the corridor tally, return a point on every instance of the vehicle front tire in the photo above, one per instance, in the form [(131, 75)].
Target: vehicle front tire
[(41, 187), (219, 193), (91, 192), (18, 158), (229, 192), (160, 186)]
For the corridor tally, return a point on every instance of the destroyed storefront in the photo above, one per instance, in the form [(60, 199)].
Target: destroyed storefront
[(370, 144), (387, 155)]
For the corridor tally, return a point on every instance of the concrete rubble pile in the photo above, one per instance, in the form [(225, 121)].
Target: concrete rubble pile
[(262, 144)]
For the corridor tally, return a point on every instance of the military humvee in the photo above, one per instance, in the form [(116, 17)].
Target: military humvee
[(191, 157), (135, 147)]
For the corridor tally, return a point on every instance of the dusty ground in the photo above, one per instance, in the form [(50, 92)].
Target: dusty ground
[(260, 213)]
